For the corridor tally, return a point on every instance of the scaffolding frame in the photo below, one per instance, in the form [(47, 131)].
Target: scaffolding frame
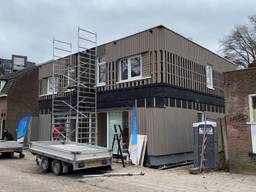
[(61, 99), (86, 113), (74, 96)]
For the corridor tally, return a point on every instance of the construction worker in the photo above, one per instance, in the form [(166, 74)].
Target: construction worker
[(7, 136), (57, 131)]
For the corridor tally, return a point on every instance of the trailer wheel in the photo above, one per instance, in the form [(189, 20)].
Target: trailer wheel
[(57, 167), (45, 164)]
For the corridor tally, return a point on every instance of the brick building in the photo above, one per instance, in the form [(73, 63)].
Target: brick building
[(240, 105), (18, 97)]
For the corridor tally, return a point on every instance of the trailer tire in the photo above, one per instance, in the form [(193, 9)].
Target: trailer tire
[(57, 167), (45, 164)]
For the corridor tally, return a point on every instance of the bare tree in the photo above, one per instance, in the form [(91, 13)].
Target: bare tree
[(240, 45)]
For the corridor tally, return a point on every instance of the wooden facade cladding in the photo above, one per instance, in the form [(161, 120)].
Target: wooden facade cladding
[(167, 58), (162, 66)]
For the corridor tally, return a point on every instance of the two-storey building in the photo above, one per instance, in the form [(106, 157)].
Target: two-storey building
[(169, 79)]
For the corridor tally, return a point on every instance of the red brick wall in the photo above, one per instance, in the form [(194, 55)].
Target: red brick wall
[(237, 86)]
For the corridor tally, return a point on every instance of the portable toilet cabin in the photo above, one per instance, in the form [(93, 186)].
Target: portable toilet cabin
[(209, 128)]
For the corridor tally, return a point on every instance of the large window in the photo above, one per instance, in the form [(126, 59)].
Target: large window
[(209, 76), (130, 68), (101, 75)]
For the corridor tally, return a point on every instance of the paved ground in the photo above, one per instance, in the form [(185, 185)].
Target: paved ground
[(23, 175)]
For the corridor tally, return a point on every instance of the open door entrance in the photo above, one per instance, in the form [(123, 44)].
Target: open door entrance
[(2, 127), (118, 118)]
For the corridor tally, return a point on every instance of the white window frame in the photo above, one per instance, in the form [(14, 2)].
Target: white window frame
[(129, 70), (252, 121), (209, 76), (98, 74), (55, 87), (2, 84)]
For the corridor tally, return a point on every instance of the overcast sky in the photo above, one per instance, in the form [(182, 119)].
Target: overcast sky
[(27, 27)]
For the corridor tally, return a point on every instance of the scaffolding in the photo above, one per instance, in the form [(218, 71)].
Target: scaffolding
[(74, 98), (59, 86), (86, 113)]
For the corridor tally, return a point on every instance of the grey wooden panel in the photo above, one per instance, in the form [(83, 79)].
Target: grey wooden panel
[(45, 71), (146, 65), (34, 129), (44, 133), (186, 48), (168, 132)]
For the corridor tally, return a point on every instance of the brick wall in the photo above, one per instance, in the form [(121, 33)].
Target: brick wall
[(237, 86), (22, 99)]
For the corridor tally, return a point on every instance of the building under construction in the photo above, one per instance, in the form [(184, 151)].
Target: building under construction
[(169, 79)]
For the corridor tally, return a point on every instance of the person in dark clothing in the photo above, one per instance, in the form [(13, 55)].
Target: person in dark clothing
[(7, 136)]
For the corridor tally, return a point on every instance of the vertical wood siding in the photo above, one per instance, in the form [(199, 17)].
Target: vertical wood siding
[(167, 58), (167, 129)]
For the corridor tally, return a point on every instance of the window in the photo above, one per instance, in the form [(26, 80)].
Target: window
[(252, 106), (2, 83), (130, 68), (102, 71), (20, 61), (52, 86), (209, 76), (200, 116), (71, 76), (124, 69), (135, 67)]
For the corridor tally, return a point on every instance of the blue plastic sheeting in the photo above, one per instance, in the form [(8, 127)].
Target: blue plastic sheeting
[(23, 126), (134, 126)]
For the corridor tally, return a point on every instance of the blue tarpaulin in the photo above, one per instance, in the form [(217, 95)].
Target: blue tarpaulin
[(134, 126), (22, 127)]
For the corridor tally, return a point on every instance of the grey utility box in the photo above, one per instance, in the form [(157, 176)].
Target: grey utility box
[(212, 155)]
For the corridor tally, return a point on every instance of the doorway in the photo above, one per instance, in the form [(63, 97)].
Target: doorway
[(2, 127)]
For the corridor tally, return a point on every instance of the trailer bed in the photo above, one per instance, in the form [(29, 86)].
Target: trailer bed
[(10, 147), (79, 155)]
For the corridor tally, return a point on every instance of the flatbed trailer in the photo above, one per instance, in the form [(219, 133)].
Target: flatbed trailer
[(8, 148), (60, 156)]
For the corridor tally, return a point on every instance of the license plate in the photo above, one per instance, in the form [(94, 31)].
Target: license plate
[(94, 163)]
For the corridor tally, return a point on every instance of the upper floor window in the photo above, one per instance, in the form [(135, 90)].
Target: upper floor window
[(52, 86), (209, 76), (130, 68), (71, 76), (101, 68)]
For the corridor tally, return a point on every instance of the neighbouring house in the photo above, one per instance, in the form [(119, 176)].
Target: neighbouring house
[(240, 105), (171, 80), (18, 62), (18, 97)]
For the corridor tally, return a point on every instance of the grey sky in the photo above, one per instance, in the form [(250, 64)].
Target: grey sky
[(28, 26)]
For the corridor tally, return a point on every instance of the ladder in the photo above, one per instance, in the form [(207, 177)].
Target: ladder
[(122, 149)]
